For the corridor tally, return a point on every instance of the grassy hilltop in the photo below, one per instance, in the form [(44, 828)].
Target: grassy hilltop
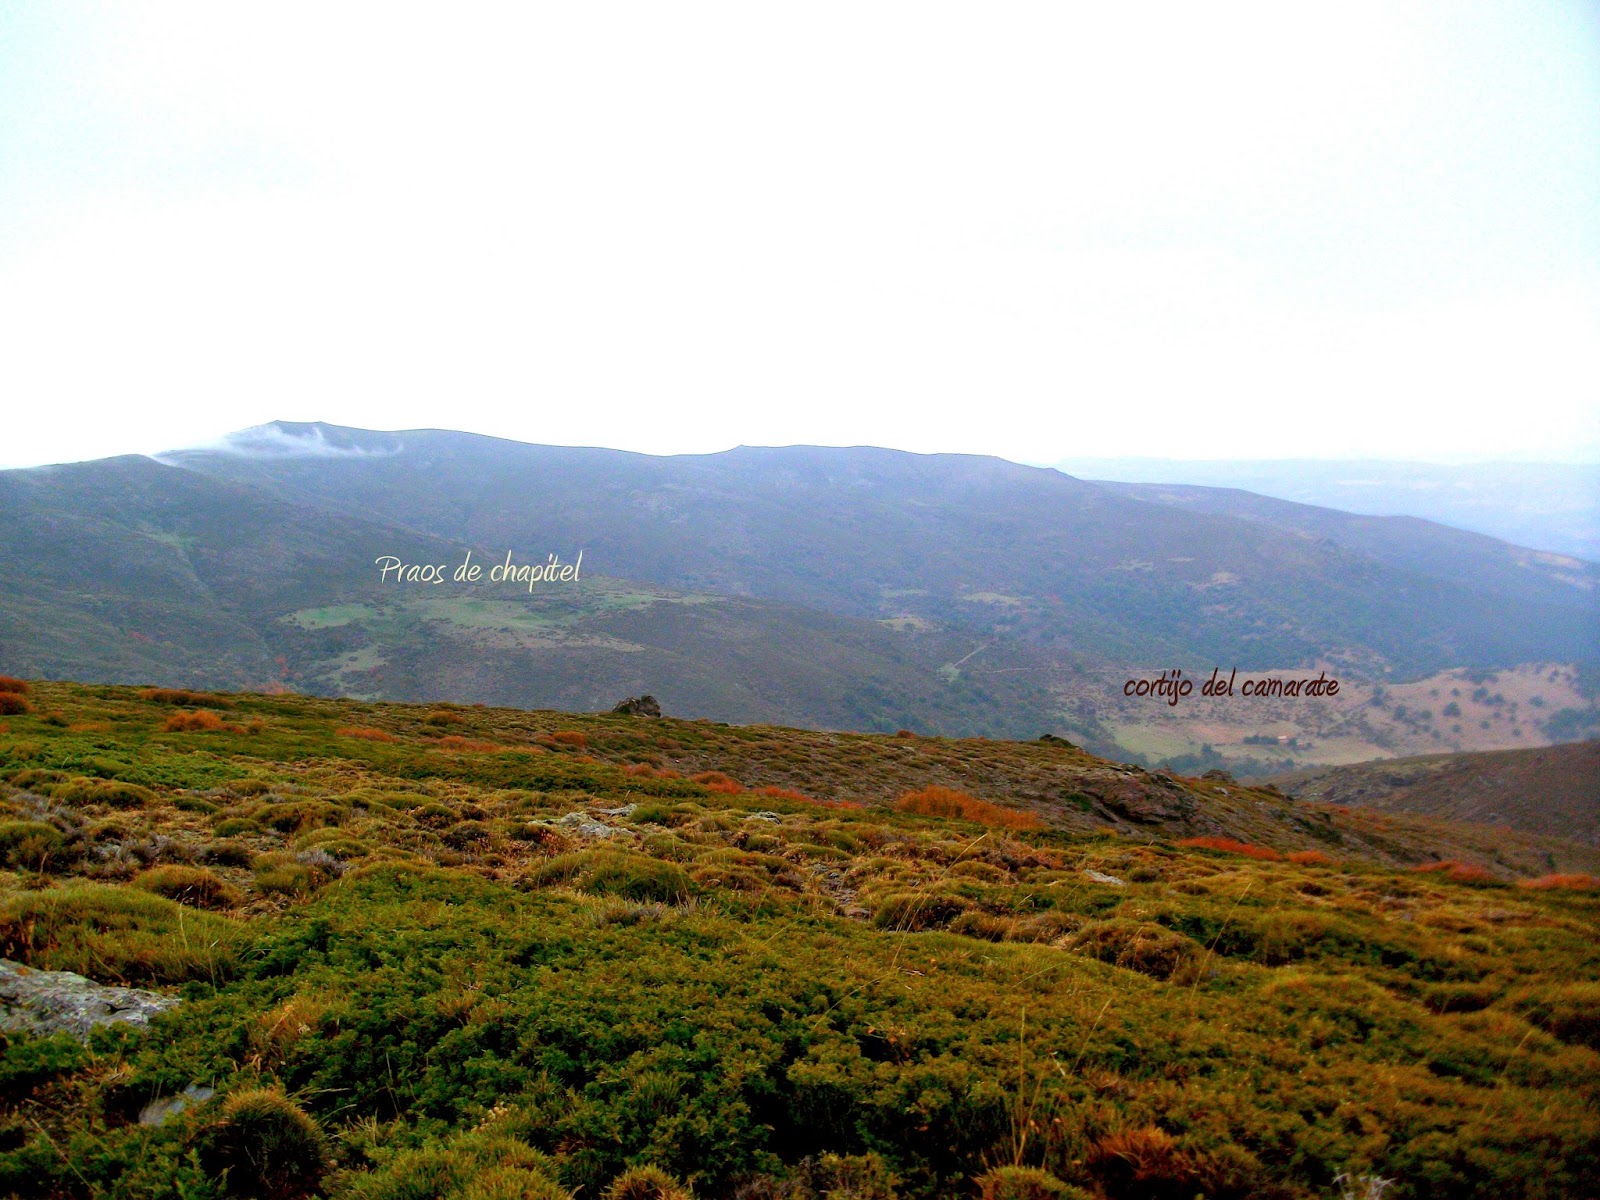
[(489, 953)]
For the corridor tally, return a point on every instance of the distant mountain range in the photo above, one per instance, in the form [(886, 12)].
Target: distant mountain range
[(845, 588), (1553, 507)]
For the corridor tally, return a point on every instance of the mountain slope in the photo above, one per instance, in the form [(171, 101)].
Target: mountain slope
[(1553, 507), (144, 572), (1550, 790), (962, 542)]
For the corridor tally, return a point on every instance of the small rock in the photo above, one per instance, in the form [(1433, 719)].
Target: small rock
[(47, 1002), (586, 826), (773, 817), (1102, 877), (625, 810), (158, 1111)]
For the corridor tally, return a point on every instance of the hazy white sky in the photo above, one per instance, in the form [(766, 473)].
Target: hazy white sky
[(1030, 230)]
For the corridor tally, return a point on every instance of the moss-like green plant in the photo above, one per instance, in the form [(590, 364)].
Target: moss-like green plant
[(265, 1146)]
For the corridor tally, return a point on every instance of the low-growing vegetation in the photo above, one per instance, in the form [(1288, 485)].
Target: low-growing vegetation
[(552, 956)]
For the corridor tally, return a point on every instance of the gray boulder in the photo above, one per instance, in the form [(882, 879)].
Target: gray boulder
[(47, 1002), (639, 706)]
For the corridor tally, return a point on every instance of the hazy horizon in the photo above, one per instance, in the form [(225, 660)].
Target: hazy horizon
[(1253, 232), (1062, 463)]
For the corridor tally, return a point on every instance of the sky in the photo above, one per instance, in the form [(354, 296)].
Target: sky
[(1032, 230)]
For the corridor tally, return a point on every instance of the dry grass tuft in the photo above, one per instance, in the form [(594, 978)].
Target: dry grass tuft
[(366, 733), (1230, 846), (1573, 883), (938, 801)]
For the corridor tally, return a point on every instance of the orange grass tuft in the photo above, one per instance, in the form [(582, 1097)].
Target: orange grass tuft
[(1230, 846), (938, 801), (1574, 883), (366, 733)]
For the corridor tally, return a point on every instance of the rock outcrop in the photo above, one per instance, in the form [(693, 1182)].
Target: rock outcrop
[(47, 1002)]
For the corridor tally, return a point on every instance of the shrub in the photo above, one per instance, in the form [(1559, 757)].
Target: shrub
[(454, 741), (13, 705), (1459, 872), (200, 720), (112, 792), (183, 697), (1148, 1164), (116, 934), (236, 827), (646, 1183), (1230, 846), (854, 1177), (366, 733), (938, 801), (1148, 949), (635, 877), (511, 1183), (264, 1145), (194, 886), (1309, 858), (286, 878), (1570, 1011), (482, 1165), (1141, 1163), (1025, 1183), (570, 737), (468, 835), (1575, 883), (226, 854), (917, 911), (10, 683), (31, 844), (443, 717)]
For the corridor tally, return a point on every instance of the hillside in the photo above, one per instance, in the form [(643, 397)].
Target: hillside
[(1552, 790), (974, 545), (475, 952), (832, 588), (1554, 507)]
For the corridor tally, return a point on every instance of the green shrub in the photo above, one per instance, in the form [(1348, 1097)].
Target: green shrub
[(194, 886), (112, 792), (226, 854), (1570, 1011), (611, 872), (635, 877), (286, 878), (236, 827), (917, 911), (1136, 946), (646, 1183), (116, 935), (264, 1145), (854, 1177), (482, 1164), (32, 777), (31, 844), (1025, 1183)]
